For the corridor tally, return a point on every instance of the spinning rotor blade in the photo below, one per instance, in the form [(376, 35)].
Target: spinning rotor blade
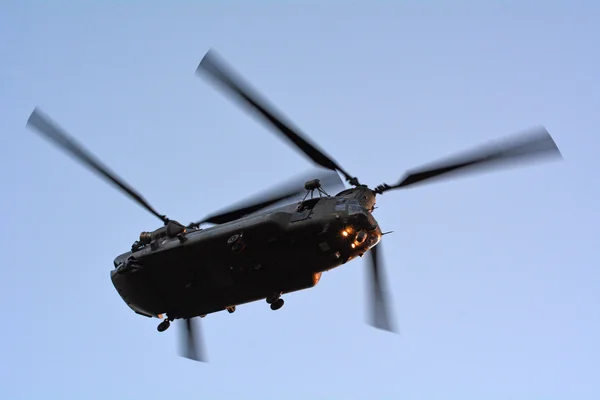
[(249, 97), (51, 131), (295, 187), (379, 313), (534, 144), (191, 345), (229, 216)]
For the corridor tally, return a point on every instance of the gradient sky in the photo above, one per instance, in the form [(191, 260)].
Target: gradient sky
[(495, 277)]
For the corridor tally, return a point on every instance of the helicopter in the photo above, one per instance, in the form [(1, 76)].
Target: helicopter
[(260, 250)]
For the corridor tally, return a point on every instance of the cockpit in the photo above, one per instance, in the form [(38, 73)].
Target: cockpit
[(360, 195), (352, 206)]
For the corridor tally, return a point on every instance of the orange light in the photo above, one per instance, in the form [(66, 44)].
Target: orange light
[(316, 278), (344, 233), (353, 245)]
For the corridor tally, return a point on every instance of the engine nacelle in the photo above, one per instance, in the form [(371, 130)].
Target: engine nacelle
[(171, 230)]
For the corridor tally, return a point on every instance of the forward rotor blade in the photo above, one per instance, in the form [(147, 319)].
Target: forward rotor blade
[(43, 125), (191, 343), (249, 97), (528, 146), (294, 187), (379, 314)]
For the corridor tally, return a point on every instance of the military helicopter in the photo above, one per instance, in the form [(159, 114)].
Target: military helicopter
[(259, 250)]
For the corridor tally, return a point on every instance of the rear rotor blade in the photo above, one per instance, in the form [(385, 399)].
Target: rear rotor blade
[(379, 314), (528, 146), (249, 97), (191, 343), (295, 187), (43, 125)]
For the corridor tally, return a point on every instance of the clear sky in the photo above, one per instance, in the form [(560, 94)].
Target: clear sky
[(495, 277)]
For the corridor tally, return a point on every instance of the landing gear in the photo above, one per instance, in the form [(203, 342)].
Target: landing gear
[(275, 301), (277, 304), (230, 309), (164, 325), (273, 298)]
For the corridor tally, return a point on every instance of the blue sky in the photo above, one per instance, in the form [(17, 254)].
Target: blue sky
[(495, 277)]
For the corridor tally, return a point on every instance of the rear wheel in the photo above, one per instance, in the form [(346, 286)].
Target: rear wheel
[(277, 304)]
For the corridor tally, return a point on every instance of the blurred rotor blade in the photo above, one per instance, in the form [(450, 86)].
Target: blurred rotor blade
[(249, 97), (232, 215), (527, 146), (191, 344), (50, 130), (379, 313), (294, 187)]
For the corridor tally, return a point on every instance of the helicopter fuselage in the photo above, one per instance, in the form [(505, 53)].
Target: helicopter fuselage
[(253, 258)]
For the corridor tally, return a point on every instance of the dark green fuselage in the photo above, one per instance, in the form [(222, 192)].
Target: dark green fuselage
[(278, 251)]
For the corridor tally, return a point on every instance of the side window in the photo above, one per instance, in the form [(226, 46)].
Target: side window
[(308, 204), (304, 210)]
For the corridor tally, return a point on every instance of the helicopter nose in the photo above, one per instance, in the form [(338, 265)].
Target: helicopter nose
[(375, 235)]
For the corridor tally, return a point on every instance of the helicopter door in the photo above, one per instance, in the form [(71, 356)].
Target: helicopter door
[(304, 210)]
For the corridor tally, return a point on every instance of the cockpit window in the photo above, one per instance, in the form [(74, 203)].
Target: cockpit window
[(340, 205), (354, 207)]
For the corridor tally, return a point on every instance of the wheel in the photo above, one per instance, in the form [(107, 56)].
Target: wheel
[(231, 309), (277, 304), (163, 326)]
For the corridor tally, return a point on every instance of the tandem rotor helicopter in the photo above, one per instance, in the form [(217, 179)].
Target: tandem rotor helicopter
[(253, 252)]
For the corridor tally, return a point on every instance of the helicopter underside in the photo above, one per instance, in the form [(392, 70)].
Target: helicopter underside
[(222, 267)]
